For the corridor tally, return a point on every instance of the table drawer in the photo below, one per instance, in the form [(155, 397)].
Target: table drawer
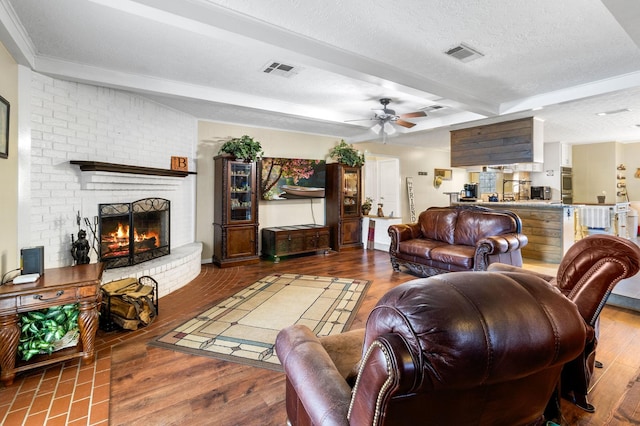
[(60, 297)]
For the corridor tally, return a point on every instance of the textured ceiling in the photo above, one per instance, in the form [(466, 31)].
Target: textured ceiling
[(572, 58)]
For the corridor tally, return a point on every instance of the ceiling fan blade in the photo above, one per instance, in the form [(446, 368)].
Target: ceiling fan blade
[(404, 124), (360, 119), (413, 114)]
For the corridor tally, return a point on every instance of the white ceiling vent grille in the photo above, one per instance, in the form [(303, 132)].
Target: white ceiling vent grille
[(278, 68), (464, 53), (432, 108)]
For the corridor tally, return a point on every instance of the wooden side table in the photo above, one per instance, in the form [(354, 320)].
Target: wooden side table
[(57, 286)]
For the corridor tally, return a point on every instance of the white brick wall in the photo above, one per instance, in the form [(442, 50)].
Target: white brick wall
[(73, 121)]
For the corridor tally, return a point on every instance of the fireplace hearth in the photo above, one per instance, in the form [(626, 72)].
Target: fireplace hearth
[(132, 233)]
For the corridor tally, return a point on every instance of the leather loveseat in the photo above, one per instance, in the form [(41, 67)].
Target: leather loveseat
[(467, 348), (457, 238)]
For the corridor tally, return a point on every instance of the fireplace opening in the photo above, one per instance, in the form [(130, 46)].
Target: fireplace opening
[(132, 233)]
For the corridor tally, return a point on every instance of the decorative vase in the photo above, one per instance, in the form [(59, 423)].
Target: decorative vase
[(365, 211), (601, 199), (380, 212)]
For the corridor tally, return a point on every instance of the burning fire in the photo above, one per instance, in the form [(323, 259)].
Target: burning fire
[(117, 243)]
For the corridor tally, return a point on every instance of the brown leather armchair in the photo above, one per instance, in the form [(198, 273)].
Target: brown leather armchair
[(587, 274), (464, 348)]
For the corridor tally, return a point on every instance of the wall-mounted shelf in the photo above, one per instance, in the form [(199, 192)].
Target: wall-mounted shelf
[(97, 166)]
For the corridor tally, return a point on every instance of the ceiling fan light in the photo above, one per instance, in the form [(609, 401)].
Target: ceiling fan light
[(376, 129), (388, 128)]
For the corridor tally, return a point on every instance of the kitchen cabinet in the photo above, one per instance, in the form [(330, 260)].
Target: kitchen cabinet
[(235, 213), (510, 142), (566, 159), (343, 208)]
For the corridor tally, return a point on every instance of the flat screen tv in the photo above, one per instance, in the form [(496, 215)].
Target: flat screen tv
[(291, 178)]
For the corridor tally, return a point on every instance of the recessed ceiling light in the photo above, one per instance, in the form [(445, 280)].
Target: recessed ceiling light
[(617, 111)]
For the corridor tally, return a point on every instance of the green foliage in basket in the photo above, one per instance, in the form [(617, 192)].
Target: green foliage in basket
[(347, 154), (245, 148), (41, 329)]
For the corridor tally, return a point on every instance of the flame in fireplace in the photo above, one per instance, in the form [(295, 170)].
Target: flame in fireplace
[(117, 242)]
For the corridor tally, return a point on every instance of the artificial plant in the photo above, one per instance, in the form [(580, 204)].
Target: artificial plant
[(40, 330), (347, 154), (244, 147)]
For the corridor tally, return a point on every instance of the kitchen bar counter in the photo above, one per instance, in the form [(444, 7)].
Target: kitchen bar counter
[(504, 204), (547, 224)]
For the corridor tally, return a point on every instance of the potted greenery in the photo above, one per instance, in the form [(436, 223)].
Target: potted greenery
[(48, 330), (347, 154), (366, 206), (243, 148)]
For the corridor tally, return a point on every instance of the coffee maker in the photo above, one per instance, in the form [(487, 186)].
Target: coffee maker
[(470, 192)]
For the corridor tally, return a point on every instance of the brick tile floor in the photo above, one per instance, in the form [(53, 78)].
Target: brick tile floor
[(70, 393)]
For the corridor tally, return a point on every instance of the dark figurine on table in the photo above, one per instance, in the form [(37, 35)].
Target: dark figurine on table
[(80, 248)]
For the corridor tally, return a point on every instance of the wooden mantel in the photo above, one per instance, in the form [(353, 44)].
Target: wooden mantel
[(97, 166)]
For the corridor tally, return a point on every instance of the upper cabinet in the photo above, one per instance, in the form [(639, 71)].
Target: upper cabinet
[(510, 142), (556, 155), (565, 155)]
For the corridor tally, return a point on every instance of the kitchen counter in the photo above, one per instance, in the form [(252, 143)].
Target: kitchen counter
[(547, 224), (545, 204)]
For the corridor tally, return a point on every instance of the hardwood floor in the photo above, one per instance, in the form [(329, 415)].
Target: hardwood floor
[(151, 385)]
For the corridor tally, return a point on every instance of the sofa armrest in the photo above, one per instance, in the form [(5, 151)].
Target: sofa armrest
[(323, 392), (496, 245), (405, 231)]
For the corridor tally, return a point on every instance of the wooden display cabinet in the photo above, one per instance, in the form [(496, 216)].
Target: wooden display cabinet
[(344, 206), (235, 216)]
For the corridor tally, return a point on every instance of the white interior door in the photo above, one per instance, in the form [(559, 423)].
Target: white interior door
[(389, 186)]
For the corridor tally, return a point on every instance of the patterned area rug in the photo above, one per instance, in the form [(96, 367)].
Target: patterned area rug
[(243, 328)]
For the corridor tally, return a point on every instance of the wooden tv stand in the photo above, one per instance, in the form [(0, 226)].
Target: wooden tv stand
[(296, 239), (57, 286)]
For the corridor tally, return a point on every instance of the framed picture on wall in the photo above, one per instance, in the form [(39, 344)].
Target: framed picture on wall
[(4, 128)]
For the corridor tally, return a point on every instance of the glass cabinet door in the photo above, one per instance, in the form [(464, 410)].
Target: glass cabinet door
[(240, 191), (351, 195)]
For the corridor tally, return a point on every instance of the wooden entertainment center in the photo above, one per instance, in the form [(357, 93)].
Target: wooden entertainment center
[(58, 286), (296, 239)]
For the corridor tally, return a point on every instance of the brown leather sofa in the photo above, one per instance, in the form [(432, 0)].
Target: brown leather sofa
[(587, 274), (468, 348), (458, 238)]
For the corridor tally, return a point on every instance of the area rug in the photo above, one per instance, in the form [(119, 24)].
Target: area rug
[(243, 328)]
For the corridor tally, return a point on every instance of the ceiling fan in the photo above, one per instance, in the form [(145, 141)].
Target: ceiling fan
[(385, 117)]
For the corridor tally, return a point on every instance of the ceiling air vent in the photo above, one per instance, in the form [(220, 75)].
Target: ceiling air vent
[(432, 108), (278, 68), (464, 53)]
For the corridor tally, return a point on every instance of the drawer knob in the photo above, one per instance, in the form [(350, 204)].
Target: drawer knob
[(41, 297)]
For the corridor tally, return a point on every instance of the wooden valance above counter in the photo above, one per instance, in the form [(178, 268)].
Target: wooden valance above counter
[(509, 142)]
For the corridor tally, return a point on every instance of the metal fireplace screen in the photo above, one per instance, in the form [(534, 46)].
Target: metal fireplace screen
[(132, 233)]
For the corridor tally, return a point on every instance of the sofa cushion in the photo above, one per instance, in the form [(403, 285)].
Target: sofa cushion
[(458, 255), (473, 226), (438, 224), (421, 247)]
